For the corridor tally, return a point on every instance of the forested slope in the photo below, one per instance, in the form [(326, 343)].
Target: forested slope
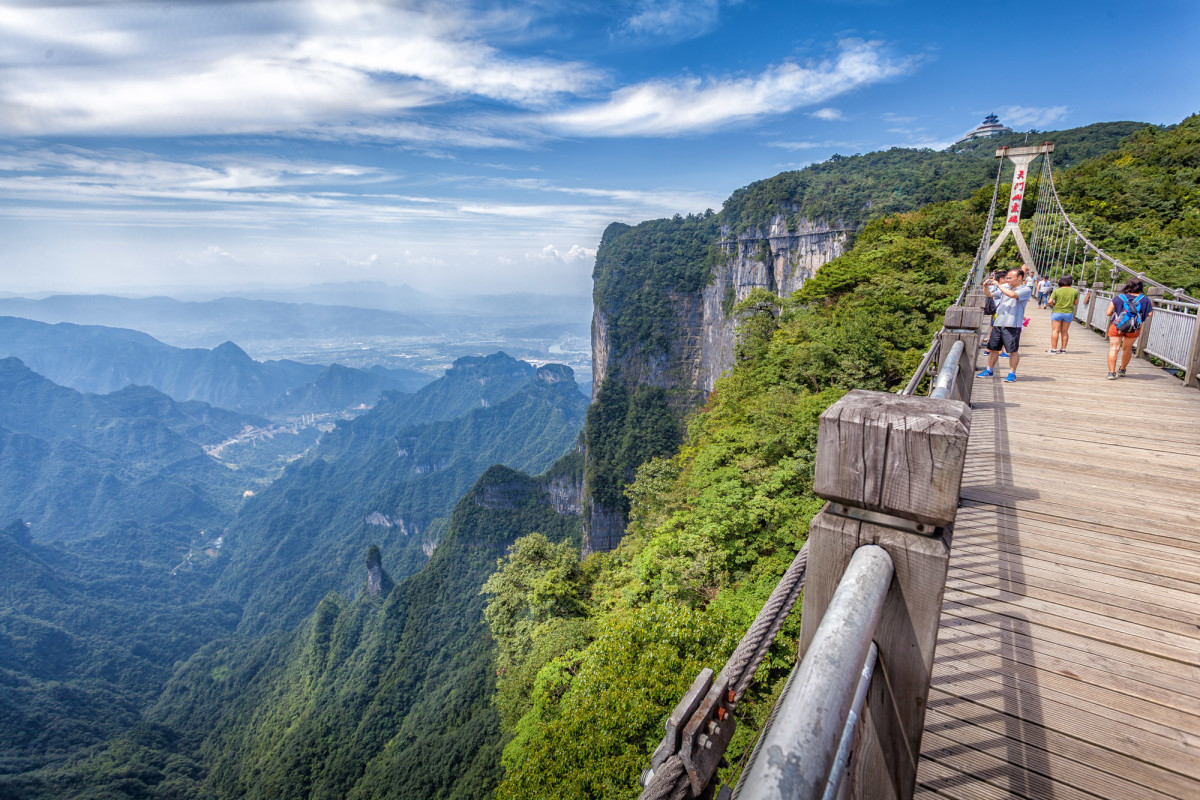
[(391, 477)]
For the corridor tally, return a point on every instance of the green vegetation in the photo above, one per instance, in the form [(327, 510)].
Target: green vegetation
[(1141, 203), (588, 671), (89, 635), (102, 592), (376, 697)]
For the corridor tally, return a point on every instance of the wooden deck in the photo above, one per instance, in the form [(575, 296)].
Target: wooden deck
[(1068, 662)]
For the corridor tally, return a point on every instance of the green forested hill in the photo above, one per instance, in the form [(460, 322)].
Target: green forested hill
[(379, 696), (76, 465), (714, 526), (100, 593), (1141, 202), (390, 477)]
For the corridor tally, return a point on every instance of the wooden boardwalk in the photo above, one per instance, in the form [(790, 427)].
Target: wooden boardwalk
[(1068, 659)]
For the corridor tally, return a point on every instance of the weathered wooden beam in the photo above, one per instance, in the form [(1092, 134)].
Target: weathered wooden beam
[(893, 454), (888, 463)]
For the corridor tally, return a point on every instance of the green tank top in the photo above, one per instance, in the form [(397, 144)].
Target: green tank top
[(1064, 298)]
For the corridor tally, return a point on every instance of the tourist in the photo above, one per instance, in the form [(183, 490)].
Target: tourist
[(1044, 289), (1011, 295), (1129, 303), (1062, 312)]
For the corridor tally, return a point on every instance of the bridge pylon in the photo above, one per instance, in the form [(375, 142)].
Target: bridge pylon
[(1021, 157)]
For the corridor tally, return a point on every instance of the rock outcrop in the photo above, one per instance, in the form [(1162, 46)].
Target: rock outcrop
[(702, 331)]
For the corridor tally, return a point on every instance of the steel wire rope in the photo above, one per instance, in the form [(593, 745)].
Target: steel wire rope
[(1178, 294)]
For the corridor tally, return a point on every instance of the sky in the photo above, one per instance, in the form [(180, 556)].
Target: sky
[(484, 146)]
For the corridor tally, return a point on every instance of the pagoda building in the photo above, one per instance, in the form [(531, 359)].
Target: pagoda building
[(990, 127)]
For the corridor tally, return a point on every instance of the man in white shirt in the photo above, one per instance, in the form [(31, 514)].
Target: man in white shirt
[(1011, 296)]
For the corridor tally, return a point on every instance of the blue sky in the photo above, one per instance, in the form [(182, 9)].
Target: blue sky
[(484, 146)]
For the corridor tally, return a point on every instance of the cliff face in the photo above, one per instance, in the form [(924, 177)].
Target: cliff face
[(695, 336), (778, 260)]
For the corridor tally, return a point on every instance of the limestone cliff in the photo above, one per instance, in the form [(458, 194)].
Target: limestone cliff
[(691, 334)]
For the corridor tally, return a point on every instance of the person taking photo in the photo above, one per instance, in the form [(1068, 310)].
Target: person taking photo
[(1011, 295)]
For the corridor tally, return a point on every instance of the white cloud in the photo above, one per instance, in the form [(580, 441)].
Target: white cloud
[(828, 114), (251, 67), (690, 105), (674, 18), (1022, 117), (550, 254)]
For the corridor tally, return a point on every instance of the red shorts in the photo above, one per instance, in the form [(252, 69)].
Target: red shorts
[(1113, 333)]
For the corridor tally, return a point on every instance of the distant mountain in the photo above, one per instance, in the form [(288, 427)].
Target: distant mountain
[(79, 466), (391, 476), (111, 516), (208, 323), (93, 358)]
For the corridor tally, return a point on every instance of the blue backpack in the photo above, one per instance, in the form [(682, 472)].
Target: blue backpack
[(1131, 318)]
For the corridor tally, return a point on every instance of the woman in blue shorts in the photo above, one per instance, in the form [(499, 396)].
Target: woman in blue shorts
[(1062, 311)]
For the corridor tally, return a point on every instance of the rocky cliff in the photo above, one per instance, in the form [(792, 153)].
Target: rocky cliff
[(681, 339)]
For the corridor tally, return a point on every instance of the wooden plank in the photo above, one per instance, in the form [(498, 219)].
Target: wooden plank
[(1130, 636), (1130, 581), (1068, 541), (1017, 777), (1130, 609), (984, 516), (1066, 759), (960, 662), (1070, 640), (1149, 571), (1180, 521), (1071, 657), (1112, 730)]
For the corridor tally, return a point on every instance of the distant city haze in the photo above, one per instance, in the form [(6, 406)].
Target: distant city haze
[(482, 147)]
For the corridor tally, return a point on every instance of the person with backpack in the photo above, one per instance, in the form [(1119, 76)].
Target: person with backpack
[(1011, 296), (1127, 312), (1062, 311)]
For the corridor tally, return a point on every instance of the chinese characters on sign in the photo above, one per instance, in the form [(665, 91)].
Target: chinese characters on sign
[(1018, 192)]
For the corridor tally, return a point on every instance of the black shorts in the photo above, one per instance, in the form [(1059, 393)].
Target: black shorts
[(1010, 338)]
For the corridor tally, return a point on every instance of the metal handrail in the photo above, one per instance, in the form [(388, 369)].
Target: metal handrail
[(801, 748), (948, 372)]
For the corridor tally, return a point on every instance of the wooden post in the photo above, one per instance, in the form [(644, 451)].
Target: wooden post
[(1097, 286), (976, 298), (962, 323), (1191, 376), (902, 457), (1154, 293)]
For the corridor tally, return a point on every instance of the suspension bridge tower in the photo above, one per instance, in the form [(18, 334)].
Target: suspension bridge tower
[(1021, 157)]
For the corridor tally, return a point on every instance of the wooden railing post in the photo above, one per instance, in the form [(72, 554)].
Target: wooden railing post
[(1154, 293), (1094, 294), (891, 468), (1191, 376), (962, 323)]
